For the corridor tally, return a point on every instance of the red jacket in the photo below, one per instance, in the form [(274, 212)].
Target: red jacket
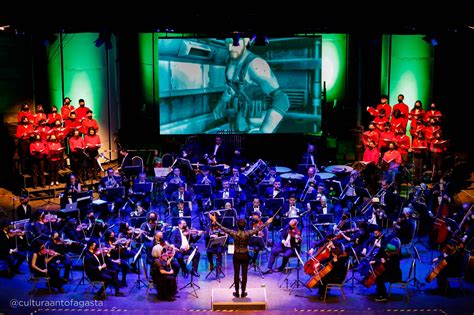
[(24, 131), (87, 123), (28, 114), (403, 143), (394, 157), (38, 149), (373, 135), (371, 155), (53, 117), (54, 151), (92, 142), (81, 112), (76, 143), (66, 110)]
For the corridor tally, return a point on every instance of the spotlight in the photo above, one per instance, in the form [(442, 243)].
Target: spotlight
[(104, 38), (236, 39), (430, 40)]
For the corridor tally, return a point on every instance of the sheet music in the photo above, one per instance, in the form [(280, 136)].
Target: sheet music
[(190, 258)]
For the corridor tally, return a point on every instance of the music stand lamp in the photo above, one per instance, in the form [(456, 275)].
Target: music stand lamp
[(297, 282), (191, 283), (139, 283), (218, 241)]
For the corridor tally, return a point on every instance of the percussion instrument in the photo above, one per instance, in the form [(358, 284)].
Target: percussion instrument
[(282, 169), (324, 175), (257, 172), (292, 176), (336, 169)]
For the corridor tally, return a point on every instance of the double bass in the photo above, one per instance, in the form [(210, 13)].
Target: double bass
[(440, 231)]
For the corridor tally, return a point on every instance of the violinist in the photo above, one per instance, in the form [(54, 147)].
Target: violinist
[(358, 239), (114, 258), (60, 246), (216, 250), (405, 226), (338, 260), (41, 266), (183, 238), (40, 227), (150, 227), (93, 226), (9, 251), (97, 270), (390, 259), (164, 278), (160, 246), (290, 242), (259, 241)]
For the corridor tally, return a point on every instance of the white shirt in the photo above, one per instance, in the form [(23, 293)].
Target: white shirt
[(225, 194), (184, 240)]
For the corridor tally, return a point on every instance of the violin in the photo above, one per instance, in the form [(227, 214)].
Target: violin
[(16, 232), (50, 252), (192, 231), (50, 218)]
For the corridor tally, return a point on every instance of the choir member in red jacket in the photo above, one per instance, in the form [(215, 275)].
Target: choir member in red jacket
[(438, 148), (402, 107), (393, 159), (77, 146), (55, 154), (25, 111), (403, 143), (433, 113), (92, 145), (67, 108), (23, 133), (371, 153), (89, 122), (370, 134), (72, 123), (416, 117), (54, 115), (81, 111), (38, 151), (397, 121)]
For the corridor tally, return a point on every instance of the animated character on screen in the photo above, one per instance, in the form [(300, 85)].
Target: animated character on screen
[(249, 81)]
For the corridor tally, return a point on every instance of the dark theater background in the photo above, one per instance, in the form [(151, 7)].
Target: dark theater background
[(125, 131)]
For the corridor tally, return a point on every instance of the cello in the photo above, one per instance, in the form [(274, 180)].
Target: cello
[(323, 253), (319, 275)]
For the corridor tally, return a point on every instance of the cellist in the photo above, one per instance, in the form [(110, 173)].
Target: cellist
[(453, 254), (390, 258), (338, 260)]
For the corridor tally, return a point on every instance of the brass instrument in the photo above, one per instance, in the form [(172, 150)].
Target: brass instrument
[(308, 188)]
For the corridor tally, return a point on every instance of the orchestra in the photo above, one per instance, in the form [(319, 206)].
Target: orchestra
[(43, 138)]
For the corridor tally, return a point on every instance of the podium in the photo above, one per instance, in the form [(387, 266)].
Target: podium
[(223, 300)]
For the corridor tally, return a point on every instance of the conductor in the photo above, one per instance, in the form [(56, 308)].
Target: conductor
[(241, 255)]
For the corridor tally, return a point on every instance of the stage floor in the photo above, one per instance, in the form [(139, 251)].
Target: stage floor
[(359, 299)]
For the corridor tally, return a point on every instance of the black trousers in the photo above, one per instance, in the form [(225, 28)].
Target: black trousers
[(180, 258), (240, 260)]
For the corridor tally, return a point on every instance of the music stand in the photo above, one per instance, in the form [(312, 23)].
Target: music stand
[(138, 257), (218, 241), (261, 243), (297, 282), (353, 278), (416, 283), (113, 194), (142, 188), (219, 203), (130, 171), (191, 282), (203, 189)]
